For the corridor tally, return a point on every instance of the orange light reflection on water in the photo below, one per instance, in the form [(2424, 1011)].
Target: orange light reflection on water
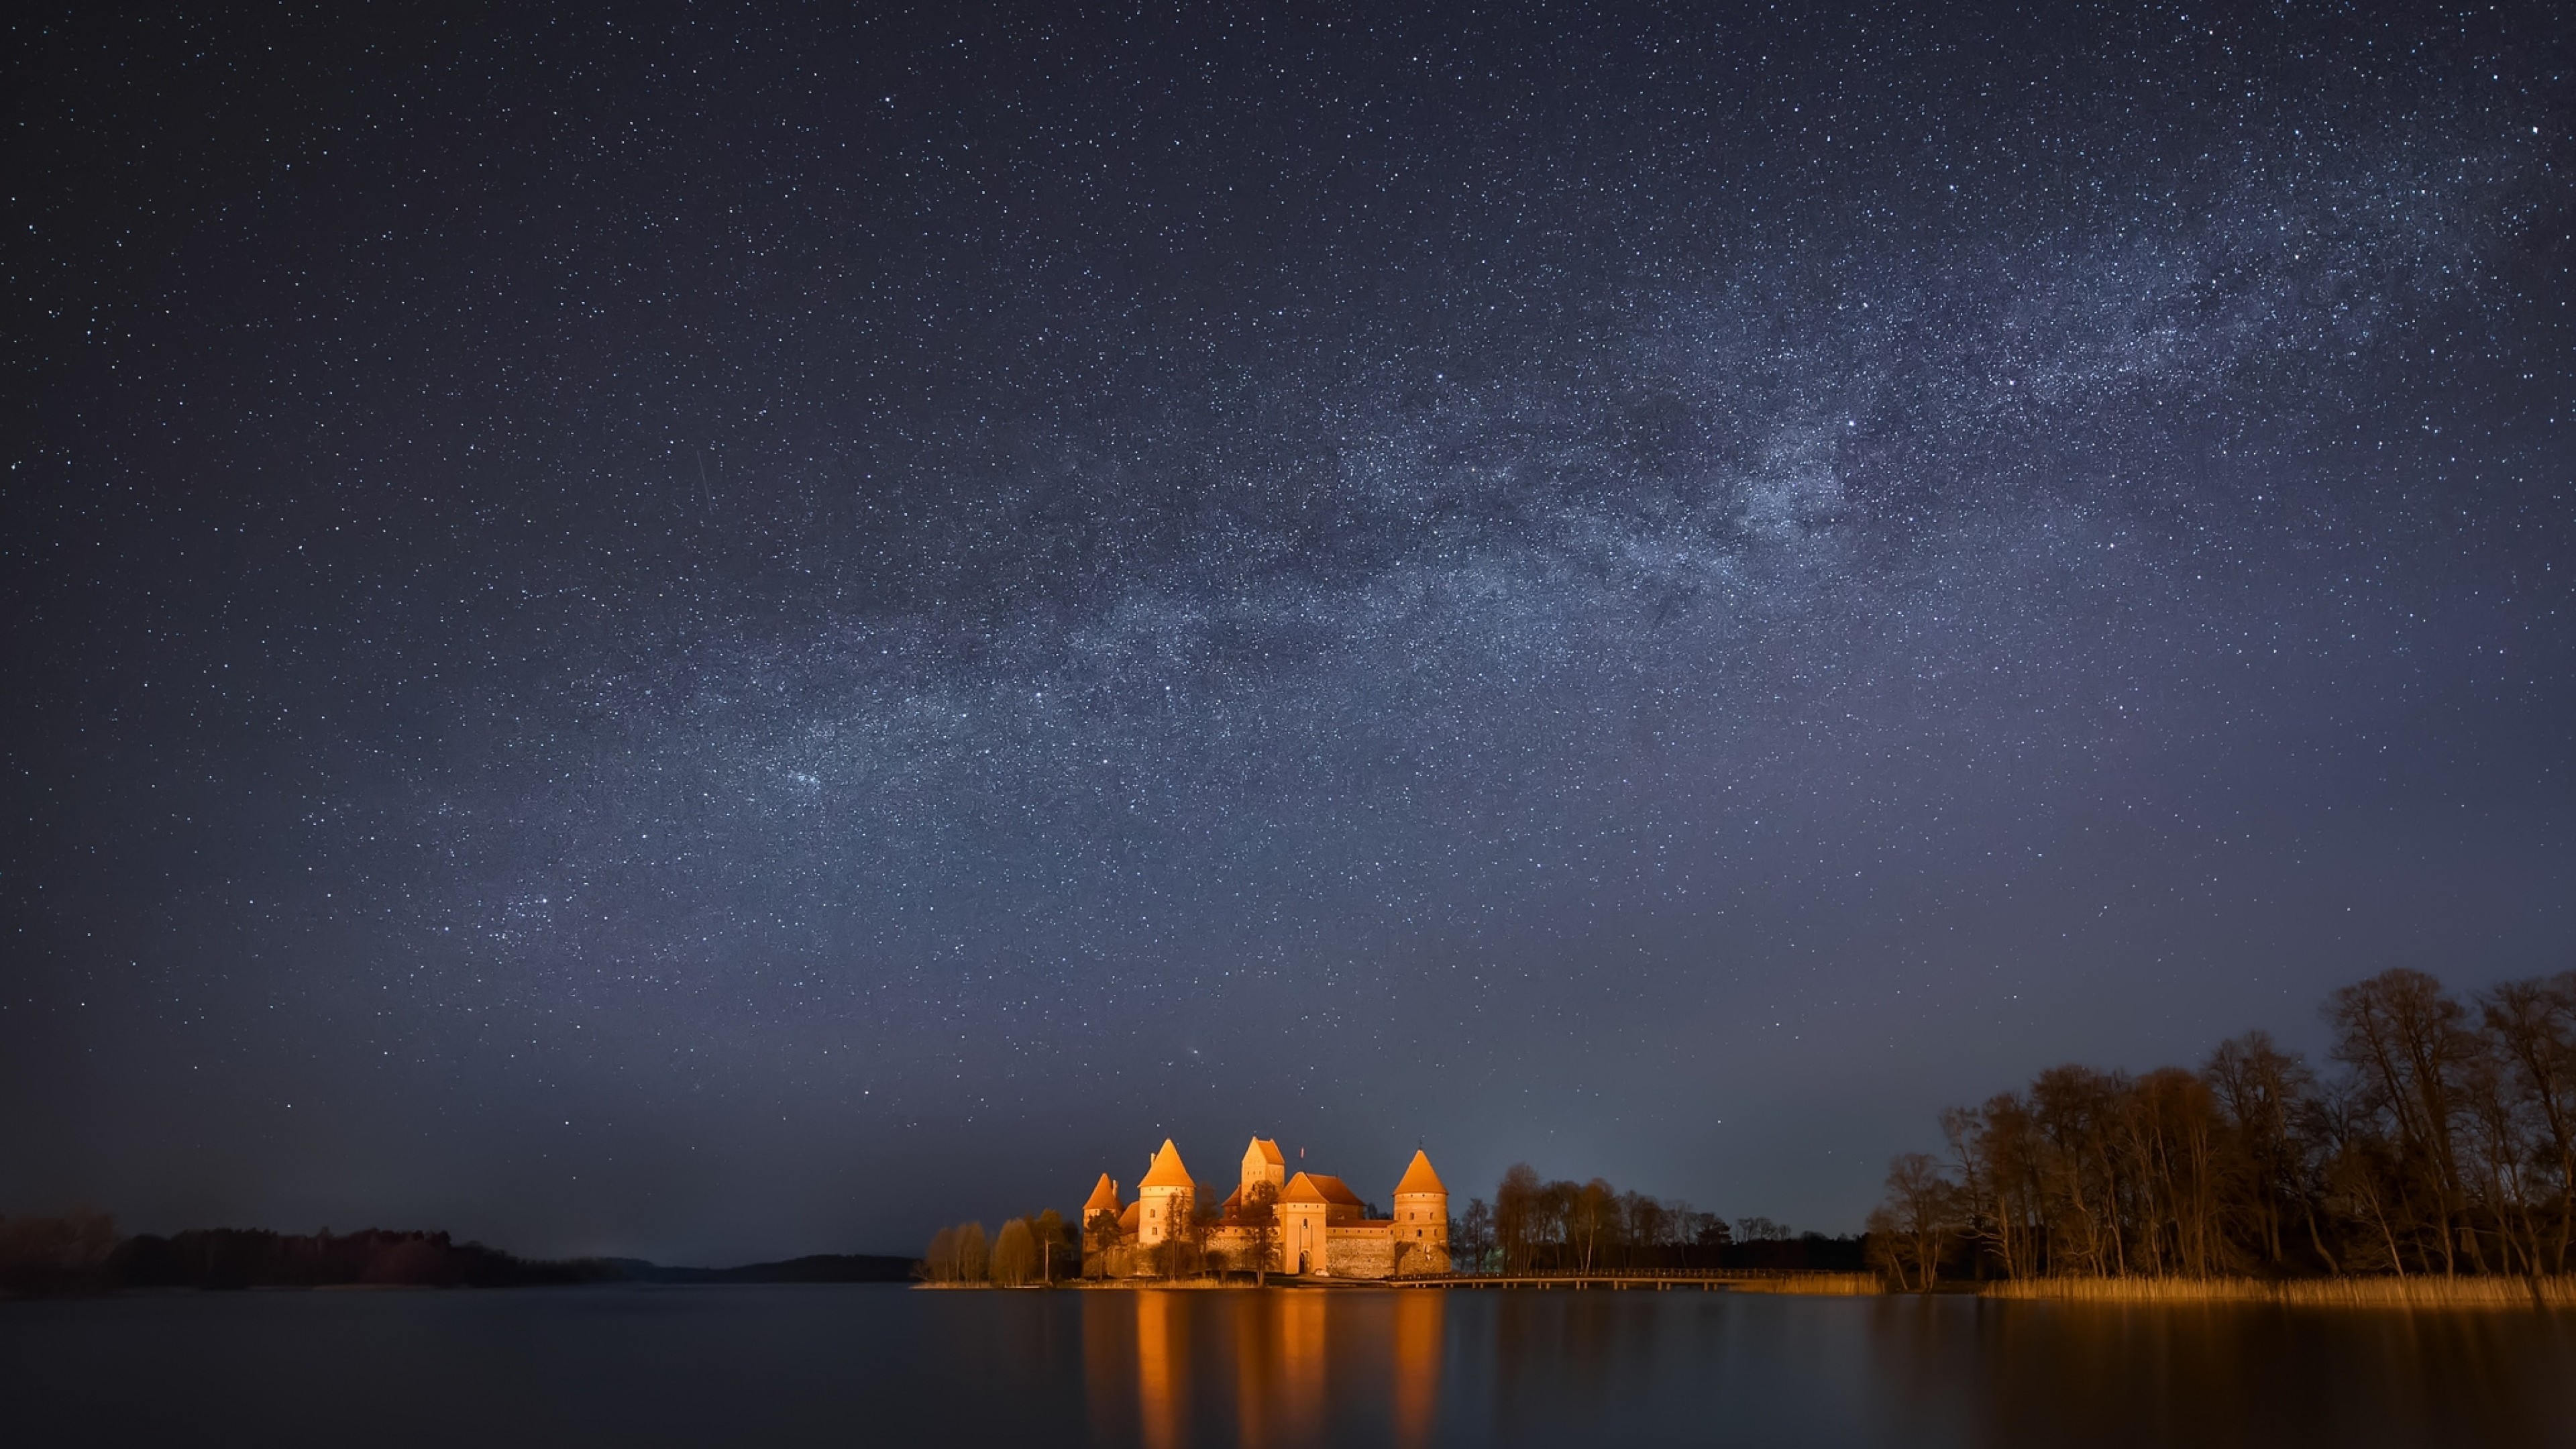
[(1418, 1318), (1305, 1364), (1162, 1367)]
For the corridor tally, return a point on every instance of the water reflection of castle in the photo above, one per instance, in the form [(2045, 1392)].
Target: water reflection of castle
[(1165, 1367), (1304, 1224)]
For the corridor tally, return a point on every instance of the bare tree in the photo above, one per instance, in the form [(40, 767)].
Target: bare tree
[(2533, 1027), (2261, 1090), (1911, 1230), (1761, 1230), (1591, 1214), (1556, 1207), (1183, 1251), (1680, 1224), (1518, 1208), (2404, 1038), (1705, 1233), (1048, 1229), (1644, 1226), (1015, 1254), (1257, 1215), (1473, 1236)]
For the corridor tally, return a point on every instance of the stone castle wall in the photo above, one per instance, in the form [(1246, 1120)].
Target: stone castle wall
[(1362, 1251), (1233, 1249), (1352, 1250), (1416, 1258)]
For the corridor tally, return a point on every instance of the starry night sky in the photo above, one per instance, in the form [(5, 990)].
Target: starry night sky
[(715, 632)]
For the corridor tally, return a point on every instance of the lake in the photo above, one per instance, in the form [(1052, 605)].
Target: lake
[(844, 1365)]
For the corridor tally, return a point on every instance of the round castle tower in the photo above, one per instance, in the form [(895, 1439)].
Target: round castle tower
[(1166, 1195), (1421, 1219)]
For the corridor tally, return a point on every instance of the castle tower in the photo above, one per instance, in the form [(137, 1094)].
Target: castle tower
[(1305, 1228), (1166, 1195), (1312, 1207), (1104, 1198), (1421, 1219), (1262, 1162)]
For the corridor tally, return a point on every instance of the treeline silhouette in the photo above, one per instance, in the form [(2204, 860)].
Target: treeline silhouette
[(2441, 1141), (812, 1268), (1037, 1249), (81, 1252), (1534, 1226)]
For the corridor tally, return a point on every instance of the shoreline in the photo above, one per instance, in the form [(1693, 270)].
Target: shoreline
[(2389, 1292), (1818, 1285), (2547, 1293)]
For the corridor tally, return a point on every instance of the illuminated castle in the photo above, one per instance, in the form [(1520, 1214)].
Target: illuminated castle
[(1316, 1225)]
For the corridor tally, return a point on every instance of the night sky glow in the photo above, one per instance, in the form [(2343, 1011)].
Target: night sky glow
[(719, 632)]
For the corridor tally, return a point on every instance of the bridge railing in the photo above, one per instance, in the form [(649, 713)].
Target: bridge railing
[(1631, 1275)]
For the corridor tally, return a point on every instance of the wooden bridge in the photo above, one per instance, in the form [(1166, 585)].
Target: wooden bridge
[(1707, 1279)]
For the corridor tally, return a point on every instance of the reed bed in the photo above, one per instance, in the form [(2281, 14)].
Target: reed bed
[(1823, 1285), (2409, 1292)]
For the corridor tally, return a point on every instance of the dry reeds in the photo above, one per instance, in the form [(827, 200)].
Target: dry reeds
[(1823, 1285), (2411, 1292)]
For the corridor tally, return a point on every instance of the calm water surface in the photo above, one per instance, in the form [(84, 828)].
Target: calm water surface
[(882, 1365)]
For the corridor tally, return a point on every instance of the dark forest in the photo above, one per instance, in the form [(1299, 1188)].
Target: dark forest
[(2440, 1139)]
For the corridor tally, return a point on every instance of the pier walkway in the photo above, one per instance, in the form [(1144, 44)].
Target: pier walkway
[(1710, 1279)]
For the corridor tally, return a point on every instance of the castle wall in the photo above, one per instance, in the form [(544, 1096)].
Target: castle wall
[(1361, 1250), (1235, 1246), (1419, 1257)]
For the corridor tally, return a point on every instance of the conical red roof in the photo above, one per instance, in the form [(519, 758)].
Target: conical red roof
[(1420, 1178), (1167, 1170), (1103, 1196)]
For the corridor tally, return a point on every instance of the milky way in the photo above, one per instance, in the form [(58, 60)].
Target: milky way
[(625, 630)]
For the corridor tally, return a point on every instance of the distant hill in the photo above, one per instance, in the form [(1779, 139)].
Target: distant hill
[(82, 1253), (813, 1268)]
